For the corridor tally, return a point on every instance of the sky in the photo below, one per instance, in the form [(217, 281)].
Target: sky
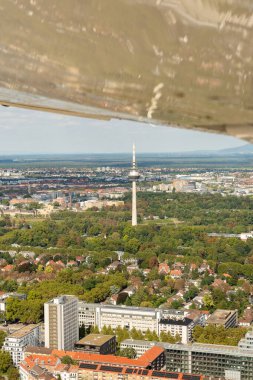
[(33, 132)]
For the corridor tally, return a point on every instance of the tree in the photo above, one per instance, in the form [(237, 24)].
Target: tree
[(177, 304), (218, 335), (94, 330), (208, 301), (19, 206), (82, 331), (191, 293), (5, 361), (128, 352), (2, 337), (122, 334), (67, 360), (132, 245), (136, 334), (168, 338), (153, 262), (13, 373)]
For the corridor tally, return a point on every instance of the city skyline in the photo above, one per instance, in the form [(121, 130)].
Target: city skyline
[(32, 132)]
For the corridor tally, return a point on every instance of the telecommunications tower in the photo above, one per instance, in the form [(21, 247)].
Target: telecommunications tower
[(134, 176)]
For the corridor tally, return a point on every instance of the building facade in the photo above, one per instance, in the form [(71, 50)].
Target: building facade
[(61, 323), (182, 327), (143, 319), (16, 342), (229, 362), (114, 316), (48, 369)]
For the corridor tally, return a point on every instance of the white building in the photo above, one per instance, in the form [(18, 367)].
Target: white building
[(140, 318), (114, 316), (16, 343), (182, 327), (61, 323)]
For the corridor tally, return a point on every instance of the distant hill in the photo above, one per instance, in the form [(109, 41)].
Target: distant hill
[(244, 149)]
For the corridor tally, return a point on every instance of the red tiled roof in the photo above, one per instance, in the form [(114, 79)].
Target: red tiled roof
[(8, 268), (47, 360), (176, 272), (143, 361)]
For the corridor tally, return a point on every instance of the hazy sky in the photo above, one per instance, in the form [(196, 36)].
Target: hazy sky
[(24, 131)]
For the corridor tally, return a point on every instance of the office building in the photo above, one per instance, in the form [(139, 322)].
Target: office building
[(61, 323), (140, 318), (97, 344), (229, 362), (114, 316), (16, 342)]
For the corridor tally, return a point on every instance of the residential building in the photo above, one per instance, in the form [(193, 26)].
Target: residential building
[(176, 273), (98, 344), (247, 318), (101, 203), (35, 367), (61, 323), (182, 327), (226, 318), (16, 342), (163, 268)]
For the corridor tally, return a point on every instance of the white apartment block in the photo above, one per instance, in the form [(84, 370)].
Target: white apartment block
[(158, 320), (61, 323), (16, 343), (182, 327)]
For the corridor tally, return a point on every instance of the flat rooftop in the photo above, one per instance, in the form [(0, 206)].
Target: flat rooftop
[(220, 316), (23, 331), (193, 347), (177, 322), (61, 300), (95, 339)]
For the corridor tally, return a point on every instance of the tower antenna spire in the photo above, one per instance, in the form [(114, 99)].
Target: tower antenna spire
[(134, 160), (134, 176)]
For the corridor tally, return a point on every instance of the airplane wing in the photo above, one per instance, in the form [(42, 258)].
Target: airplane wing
[(186, 63)]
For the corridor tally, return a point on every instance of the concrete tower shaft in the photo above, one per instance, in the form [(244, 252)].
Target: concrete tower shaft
[(134, 176)]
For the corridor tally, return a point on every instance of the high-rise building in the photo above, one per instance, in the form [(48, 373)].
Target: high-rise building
[(61, 323), (134, 176)]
